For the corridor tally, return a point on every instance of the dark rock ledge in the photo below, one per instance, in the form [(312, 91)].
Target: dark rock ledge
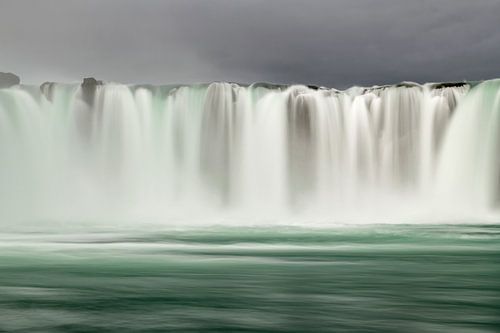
[(8, 80)]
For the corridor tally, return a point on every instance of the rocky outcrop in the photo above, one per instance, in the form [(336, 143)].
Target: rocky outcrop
[(8, 80), (89, 87), (447, 85), (269, 85), (47, 89)]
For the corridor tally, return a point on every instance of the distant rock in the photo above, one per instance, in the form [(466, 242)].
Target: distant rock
[(47, 89), (89, 87), (408, 84), (89, 82), (268, 85), (8, 80), (442, 85)]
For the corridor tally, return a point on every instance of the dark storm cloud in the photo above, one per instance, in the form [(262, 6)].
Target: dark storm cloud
[(332, 43)]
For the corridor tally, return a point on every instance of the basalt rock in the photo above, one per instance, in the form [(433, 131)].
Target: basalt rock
[(89, 87), (47, 89), (8, 80)]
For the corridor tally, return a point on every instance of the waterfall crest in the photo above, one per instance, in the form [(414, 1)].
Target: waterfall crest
[(109, 151)]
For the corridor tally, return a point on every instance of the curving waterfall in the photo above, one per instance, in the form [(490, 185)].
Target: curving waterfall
[(108, 151)]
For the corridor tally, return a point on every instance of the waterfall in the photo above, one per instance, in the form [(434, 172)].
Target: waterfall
[(107, 151)]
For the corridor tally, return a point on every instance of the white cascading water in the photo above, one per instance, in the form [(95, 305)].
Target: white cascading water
[(112, 152)]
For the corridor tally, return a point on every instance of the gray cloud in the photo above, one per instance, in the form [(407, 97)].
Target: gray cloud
[(333, 43)]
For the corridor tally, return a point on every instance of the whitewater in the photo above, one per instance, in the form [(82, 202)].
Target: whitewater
[(260, 153)]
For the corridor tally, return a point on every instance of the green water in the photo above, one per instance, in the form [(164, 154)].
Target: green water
[(347, 279)]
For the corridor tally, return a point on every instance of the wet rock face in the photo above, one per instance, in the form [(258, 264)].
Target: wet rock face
[(47, 89), (8, 80), (448, 85), (89, 86), (269, 85), (89, 82)]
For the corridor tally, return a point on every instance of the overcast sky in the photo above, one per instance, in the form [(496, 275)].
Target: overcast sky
[(332, 42)]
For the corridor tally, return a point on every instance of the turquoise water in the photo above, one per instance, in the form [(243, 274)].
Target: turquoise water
[(399, 278)]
